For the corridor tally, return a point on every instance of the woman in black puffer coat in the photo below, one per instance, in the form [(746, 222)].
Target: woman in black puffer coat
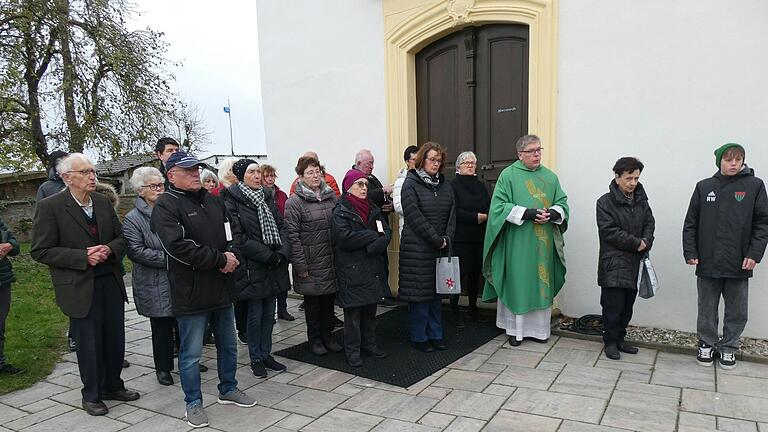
[(264, 247), (430, 221), (309, 214), (625, 225), (360, 238)]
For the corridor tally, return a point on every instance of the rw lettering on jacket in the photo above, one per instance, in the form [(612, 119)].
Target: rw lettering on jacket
[(711, 197)]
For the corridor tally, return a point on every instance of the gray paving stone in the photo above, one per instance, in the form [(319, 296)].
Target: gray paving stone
[(763, 427), (70, 380), (37, 392), (323, 379), (232, 418), (629, 371), (536, 346), (466, 424), (64, 367), (347, 389), (389, 404), (678, 370), (491, 346), (465, 380), (390, 425), (586, 381), (435, 392), (339, 420), (437, 420), (641, 412), (737, 384), (651, 389), (644, 356), (9, 414), (754, 370), (494, 368), (284, 377), (470, 362), (269, 393), (168, 401), (508, 421), (572, 356), (294, 422), (40, 416), (159, 423), (733, 425), (551, 404), (725, 405), (499, 390), (467, 404), (572, 426), (136, 416), (311, 402), (77, 420), (551, 366), (579, 344), (697, 420), (516, 357), (526, 377), (38, 406)]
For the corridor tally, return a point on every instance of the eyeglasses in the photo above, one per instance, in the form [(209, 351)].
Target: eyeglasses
[(468, 163), (433, 160), (361, 183), (312, 173), (155, 186), (84, 172), (533, 151)]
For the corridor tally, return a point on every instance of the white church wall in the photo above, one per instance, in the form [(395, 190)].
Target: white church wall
[(322, 80), (667, 82)]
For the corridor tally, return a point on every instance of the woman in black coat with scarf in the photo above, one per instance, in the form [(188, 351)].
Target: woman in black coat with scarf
[(360, 238), (430, 221), (472, 203), (262, 239)]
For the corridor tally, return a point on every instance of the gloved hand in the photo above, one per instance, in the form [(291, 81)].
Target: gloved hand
[(530, 214), (554, 215), (274, 260)]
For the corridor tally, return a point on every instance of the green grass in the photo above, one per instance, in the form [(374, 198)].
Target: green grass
[(35, 333)]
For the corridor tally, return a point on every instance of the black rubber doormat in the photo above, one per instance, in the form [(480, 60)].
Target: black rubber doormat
[(405, 365)]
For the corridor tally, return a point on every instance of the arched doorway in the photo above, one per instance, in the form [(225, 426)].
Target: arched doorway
[(472, 94)]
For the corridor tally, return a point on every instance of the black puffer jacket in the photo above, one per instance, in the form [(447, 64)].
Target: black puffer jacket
[(255, 278), (53, 185), (6, 270), (430, 218), (191, 228), (621, 225), (360, 253), (309, 222), (727, 221)]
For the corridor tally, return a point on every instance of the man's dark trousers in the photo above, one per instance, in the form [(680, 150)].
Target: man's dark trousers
[(100, 338)]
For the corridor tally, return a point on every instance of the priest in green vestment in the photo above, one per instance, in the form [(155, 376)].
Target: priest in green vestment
[(523, 261)]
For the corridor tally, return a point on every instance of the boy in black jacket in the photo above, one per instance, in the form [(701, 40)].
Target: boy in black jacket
[(725, 235)]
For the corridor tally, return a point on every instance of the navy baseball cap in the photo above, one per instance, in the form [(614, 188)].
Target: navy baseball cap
[(182, 160)]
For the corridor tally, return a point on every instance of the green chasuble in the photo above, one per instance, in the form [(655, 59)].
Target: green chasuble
[(524, 265)]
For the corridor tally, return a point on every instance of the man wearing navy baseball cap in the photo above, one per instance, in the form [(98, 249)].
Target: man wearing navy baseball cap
[(194, 228)]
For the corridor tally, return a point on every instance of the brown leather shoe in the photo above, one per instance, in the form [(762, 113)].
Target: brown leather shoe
[(95, 408)]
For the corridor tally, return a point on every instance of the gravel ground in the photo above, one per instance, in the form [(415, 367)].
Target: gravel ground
[(757, 347)]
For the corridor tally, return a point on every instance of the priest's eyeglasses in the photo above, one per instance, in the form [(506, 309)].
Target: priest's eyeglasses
[(532, 151)]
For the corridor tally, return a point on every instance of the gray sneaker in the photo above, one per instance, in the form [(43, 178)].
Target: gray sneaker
[(196, 416), (237, 397)]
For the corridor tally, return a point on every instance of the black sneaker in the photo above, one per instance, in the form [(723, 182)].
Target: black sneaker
[(272, 364), (706, 355), (727, 360), (243, 338), (301, 307), (337, 323), (72, 345), (257, 367)]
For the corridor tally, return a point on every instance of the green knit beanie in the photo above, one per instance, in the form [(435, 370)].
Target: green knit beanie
[(721, 151)]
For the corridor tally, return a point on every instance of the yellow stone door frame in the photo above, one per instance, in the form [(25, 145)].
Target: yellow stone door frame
[(408, 29)]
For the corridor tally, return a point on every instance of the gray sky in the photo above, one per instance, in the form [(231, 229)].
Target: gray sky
[(217, 45)]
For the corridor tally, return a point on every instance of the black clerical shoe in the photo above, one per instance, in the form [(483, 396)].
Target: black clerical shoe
[(121, 395), (438, 344), (95, 408), (164, 378), (537, 340), (514, 342), (333, 346), (354, 360), (424, 346), (627, 348), (612, 351)]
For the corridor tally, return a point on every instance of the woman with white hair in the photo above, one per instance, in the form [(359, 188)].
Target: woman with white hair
[(210, 181), (472, 203), (151, 291)]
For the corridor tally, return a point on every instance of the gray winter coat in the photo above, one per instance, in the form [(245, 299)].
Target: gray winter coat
[(151, 291), (309, 231)]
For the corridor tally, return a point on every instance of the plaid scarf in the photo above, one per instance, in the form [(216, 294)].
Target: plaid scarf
[(269, 232), (428, 179)]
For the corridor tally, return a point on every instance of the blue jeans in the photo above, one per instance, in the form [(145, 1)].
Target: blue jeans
[(191, 331), (426, 320), (261, 312)]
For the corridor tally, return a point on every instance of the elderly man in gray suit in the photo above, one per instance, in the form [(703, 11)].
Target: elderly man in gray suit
[(77, 234)]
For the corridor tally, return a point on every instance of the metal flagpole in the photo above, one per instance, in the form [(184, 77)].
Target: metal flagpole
[(231, 140)]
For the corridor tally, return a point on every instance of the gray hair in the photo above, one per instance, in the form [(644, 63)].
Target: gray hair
[(525, 140), (207, 174), (360, 155), (141, 175), (65, 164), (463, 156), (225, 167)]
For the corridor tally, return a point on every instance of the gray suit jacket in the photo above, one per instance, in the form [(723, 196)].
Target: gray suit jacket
[(60, 237)]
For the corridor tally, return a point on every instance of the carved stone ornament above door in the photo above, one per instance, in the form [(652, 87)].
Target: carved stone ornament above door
[(459, 10)]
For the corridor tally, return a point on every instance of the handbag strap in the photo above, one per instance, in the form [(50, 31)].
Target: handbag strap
[(449, 249)]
